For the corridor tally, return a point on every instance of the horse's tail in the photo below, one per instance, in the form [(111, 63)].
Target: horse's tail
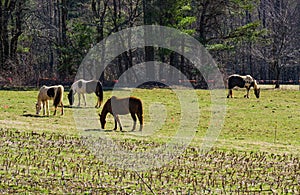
[(140, 108), (140, 114), (59, 96), (71, 96), (99, 92)]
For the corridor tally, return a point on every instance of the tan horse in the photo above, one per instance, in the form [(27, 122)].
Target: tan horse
[(46, 93), (247, 82), (121, 106)]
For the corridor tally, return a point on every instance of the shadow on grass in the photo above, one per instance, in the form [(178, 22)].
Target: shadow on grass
[(79, 107), (98, 130), (104, 130), (34, 115)]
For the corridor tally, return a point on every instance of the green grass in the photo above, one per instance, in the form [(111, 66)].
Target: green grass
[(254, 122), (48, 155), (249, 124)]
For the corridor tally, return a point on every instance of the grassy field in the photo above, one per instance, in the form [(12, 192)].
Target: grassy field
[(257, 150)]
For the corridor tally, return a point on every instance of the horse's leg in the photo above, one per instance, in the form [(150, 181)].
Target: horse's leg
[(115, 123), (47, 108), (43, 105), (84, 99), (62, 108), (247, 95), (140, 116), (134, 121), (98, 103), (55, 107), (78, 99), (118, 121), (229, 93)]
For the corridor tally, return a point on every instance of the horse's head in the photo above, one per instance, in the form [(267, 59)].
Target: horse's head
[(71, 97), (257, 92), (102, 121), (38, 108)]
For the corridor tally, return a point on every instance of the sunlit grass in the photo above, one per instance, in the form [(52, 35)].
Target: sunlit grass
[(273, 119), (257, 150)]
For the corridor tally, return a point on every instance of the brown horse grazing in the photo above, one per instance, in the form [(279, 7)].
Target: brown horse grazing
[(54, 93), (121, 106), (82, 87), (247, 81)]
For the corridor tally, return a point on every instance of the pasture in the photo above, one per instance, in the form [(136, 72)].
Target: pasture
[(258, 149)]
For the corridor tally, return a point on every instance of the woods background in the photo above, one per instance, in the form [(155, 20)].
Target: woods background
[(43, 39)]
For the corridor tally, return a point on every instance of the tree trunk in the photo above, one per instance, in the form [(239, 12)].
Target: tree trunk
[(149, 50), (16, 32), (277, 74), (10, 31)]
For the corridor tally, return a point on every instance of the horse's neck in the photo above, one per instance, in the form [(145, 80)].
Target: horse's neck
[(104, 111), (39, 102), (255, 85)]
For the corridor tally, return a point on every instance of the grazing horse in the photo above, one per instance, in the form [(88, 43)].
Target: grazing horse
[(82, 87), (247, 81), (121, 106), (46, 93)]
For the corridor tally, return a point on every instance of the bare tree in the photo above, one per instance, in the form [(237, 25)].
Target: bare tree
[(280, 47), (11, 28)]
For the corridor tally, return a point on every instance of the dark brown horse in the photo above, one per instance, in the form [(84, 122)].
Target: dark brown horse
[(247, 81), (121, 106)]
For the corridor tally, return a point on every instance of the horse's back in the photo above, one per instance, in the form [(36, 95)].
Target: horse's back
[(135, 101), (125, 105), (137, 105), (91, 86), (44, 92), (50, 92), (236, 81), (84, 86)]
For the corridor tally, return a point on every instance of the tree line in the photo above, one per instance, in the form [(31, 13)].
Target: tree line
[(49, 39)]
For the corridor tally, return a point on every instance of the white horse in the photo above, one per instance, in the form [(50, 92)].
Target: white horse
[(46, 93), (82, 87)]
